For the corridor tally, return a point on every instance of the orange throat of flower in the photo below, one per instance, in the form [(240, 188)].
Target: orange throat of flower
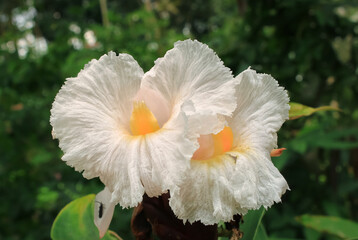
[(214, 144), (142, 120)]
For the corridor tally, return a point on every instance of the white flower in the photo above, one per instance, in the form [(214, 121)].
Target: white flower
[(137, 132), (232, 171)]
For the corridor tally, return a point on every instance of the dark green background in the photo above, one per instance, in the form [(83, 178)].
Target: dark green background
[(309, 46)]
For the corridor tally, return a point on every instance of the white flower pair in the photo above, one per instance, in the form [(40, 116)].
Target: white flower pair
[(187, 126)]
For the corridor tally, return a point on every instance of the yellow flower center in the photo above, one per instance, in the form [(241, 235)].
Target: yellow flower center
[(214, 144), (142, 120)]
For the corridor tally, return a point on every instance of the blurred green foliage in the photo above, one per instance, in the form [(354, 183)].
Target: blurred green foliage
[(310, 46)]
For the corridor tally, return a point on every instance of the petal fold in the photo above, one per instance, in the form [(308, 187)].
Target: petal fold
[(191, 74), (165, 156)]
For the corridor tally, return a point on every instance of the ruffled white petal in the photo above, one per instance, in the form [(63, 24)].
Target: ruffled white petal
[(193, 75), (256, 181), (103, 211), (216, 189), (160, 159), (90, 117), (208, 194), (262, 108), (232, 184), (164, 156)]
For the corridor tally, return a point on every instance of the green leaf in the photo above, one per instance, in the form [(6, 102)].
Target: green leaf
[(251, 225), (75, 221), (339, 227), (261, 233), (298, 110)]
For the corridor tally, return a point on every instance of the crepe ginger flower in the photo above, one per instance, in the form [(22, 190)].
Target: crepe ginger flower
[(137, 132), (232, 172)]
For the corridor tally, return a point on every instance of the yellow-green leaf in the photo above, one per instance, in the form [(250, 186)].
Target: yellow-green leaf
[(75, 221), (298, 110), (251, 225), (339, 227)]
